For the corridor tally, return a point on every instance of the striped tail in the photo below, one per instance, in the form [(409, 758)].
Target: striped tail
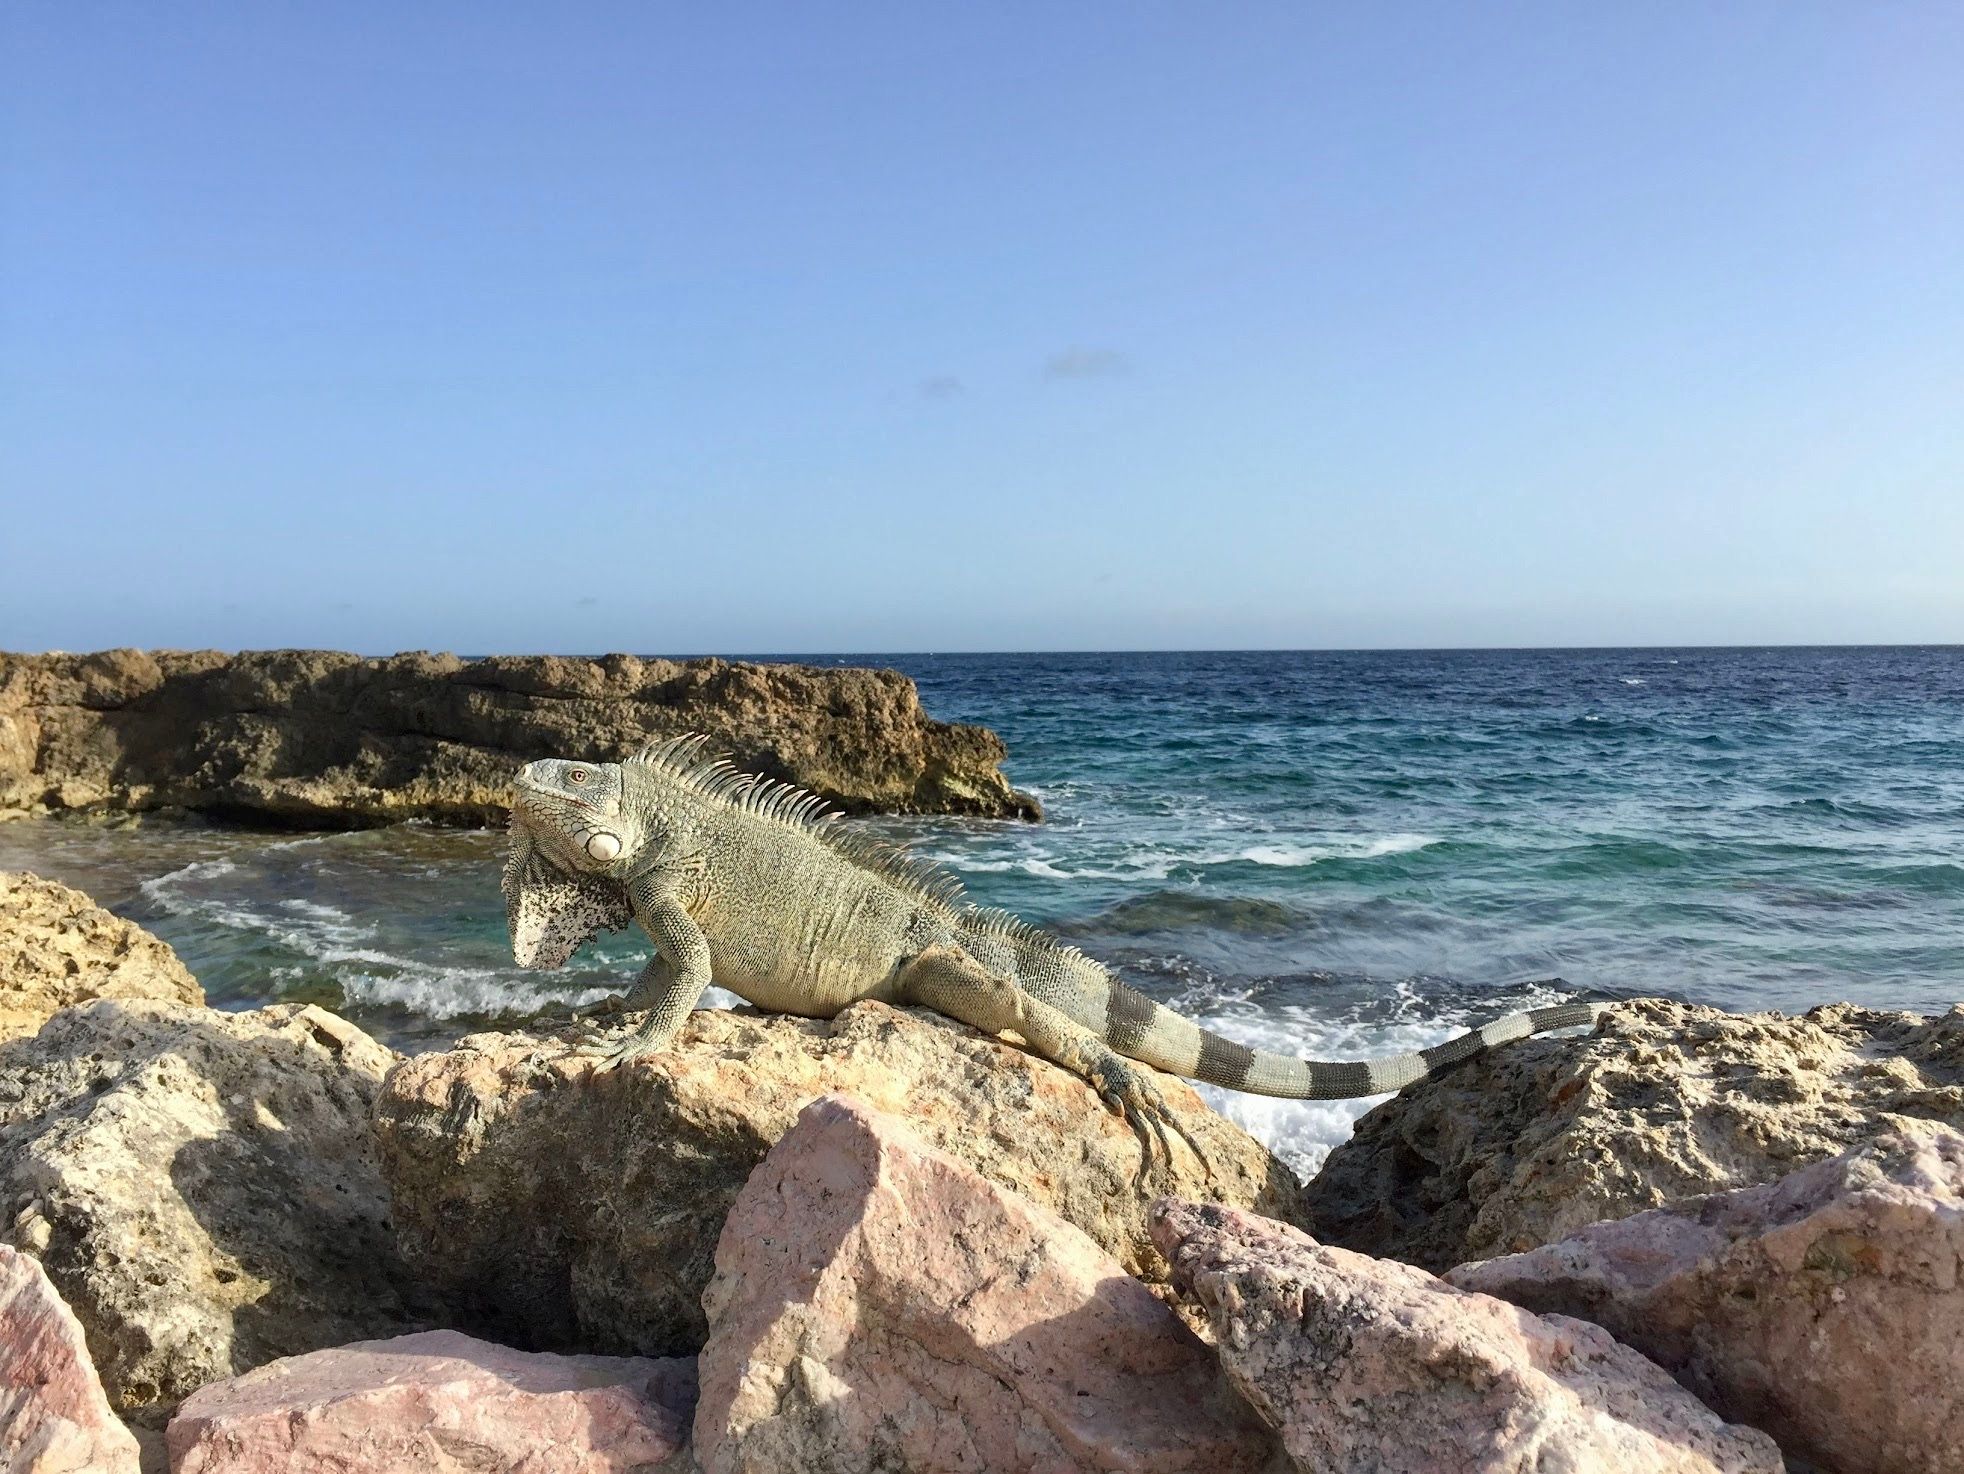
[(1136, 1026)]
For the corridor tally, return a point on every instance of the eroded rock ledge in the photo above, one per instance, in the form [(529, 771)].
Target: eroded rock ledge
[(319, 738), (1666, 1101), (58, 948)]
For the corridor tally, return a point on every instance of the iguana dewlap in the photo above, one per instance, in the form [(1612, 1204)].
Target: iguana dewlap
[(751, 883)]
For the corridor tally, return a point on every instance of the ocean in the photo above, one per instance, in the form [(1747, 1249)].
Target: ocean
[(1333, 854)]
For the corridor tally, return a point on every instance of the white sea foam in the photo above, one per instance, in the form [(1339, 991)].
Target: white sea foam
[(447, 992), (327, 922), (308, 841), (166, 888), (1158, 862), (1633, 680), (1345, 849), (1156, 866)]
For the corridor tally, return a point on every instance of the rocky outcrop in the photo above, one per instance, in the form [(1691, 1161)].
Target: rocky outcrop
[(1367, 1364), (316, 738), (554, 1208), (1827, 1308), (1538, 1139), (201, 1187), (879, 1305), (57, 947), (53, 1416), (439, 1403)]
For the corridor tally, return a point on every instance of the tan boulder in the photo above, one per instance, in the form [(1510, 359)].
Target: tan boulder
[(879, 1305), (439, 1402), (1826, 1308), (331, 740), (58, 947), (201, 1186), (1538, 1139), (551, 1207), (1362, 1363), (53, 1416)]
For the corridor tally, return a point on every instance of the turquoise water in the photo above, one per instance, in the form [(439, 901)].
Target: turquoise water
[(1329, 853)]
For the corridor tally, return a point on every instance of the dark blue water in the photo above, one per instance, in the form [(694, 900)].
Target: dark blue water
[(1328, 852)]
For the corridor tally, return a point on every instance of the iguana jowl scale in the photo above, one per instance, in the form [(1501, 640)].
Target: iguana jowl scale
[(751, 882)]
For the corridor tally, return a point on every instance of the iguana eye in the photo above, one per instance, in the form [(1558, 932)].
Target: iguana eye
[(578, 775)]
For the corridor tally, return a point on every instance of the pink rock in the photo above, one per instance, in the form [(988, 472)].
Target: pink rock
[(54, 1418), (1364, 1363), (879, 1305), (438, 1402), (1826, 1308)]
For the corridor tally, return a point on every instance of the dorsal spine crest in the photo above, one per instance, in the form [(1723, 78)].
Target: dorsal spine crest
[(682, 760)]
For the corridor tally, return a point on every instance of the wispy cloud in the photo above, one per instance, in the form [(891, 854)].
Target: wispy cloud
[(1085, 363), (941, 386), (586, 602)]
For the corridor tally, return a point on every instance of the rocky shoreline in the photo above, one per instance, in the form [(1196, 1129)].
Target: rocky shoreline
[(262, 1241), (323, 739)]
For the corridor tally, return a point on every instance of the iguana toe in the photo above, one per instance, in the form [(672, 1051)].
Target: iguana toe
[(604, 1056), (1133, 1095)]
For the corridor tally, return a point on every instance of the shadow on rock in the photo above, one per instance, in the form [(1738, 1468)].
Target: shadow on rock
[(202, 1187)]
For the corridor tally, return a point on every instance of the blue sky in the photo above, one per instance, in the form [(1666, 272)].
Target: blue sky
[(873, 327)]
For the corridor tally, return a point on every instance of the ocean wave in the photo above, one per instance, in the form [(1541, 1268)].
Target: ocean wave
[(1158, 863), (328, 922), (1313, 854), (1614, 856), (1140, 865), (463, 992), (346, 950), (1026, 865), (1936, 878), (164, 889), (1189, 910)]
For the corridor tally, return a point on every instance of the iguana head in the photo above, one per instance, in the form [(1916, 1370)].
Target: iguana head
[(575, 813)]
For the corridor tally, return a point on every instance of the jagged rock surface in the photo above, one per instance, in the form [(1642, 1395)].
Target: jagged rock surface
[(554, 1208), (201, 1187), (1540, 1138), (1362, 1363), (53, 1416), (1826, 1308), (323, 739), (879, 1305), (440, 1403), (57, 947)]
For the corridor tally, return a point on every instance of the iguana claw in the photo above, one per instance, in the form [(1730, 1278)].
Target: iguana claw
[(1133, 1095), (605, 1056)]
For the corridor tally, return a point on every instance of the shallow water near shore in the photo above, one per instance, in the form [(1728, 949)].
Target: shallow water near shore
[(1330, 854)]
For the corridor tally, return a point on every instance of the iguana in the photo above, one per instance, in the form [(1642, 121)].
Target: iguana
[(752, 882)]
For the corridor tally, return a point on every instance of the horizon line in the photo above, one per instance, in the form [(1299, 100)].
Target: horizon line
[(787, 655)]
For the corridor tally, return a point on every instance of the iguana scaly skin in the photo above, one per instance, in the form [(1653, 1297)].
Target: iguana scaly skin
[(750, 882)]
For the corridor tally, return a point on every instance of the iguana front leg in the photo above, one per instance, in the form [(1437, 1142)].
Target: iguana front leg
[(950, 981), (672, 982)]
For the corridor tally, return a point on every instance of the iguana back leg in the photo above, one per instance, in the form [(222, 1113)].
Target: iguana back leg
[(950, 981)]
